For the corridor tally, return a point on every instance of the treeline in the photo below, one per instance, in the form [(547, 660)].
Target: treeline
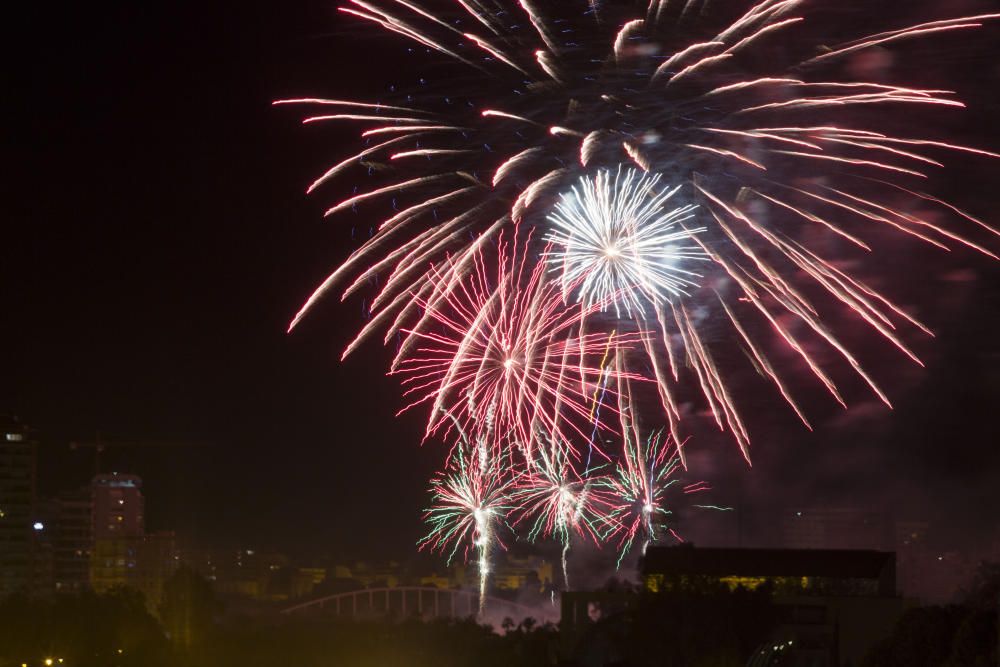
[(115, 629), (958, 635), (109, 630), (696, 624), (439, 643)]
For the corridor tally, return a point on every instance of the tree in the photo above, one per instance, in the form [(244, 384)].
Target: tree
[(975, 641), (922, 638), (697, 622), (86, 629), (955, 636), (983, 591)]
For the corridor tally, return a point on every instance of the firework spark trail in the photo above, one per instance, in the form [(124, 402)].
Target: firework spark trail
[(505, 347), (535, 276), (637, 491), (557, 501), (469, 499)]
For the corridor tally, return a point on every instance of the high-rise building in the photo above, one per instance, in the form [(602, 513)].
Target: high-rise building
[(123, 554), (43, 521), (118, 506), (118, 518), (72, 540), (17, 500)]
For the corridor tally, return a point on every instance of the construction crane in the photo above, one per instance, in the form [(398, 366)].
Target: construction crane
[(99, 444)]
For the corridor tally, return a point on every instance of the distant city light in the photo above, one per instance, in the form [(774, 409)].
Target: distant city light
[(38, 525)]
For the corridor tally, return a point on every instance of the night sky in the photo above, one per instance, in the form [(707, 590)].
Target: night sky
[(157, 241)]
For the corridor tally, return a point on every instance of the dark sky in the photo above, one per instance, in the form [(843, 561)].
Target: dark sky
[(157, 243), (157, 240)]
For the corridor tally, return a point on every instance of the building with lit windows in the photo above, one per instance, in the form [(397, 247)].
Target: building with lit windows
[(119, 507), (514, 573), (123, 554), (71, 538), (799, 571), (831, 605), (118, 523), (17, 506)]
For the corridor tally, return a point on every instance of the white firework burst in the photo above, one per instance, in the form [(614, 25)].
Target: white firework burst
[(617, 243)]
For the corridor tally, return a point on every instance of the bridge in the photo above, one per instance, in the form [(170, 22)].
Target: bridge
[(402, 601)]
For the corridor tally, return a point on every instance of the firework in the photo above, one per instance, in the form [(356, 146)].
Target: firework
[(637, 492), (469, 500), (557, 501), (616, 242), (775, 152), (502, 353)]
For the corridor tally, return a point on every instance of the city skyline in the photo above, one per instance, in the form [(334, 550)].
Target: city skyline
[(79, 533)]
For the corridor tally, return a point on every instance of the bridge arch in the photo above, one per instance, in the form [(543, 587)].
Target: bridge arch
[(402, 601)]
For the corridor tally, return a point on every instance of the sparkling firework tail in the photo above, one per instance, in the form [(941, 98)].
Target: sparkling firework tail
[(557, 501), (638, 489), (468, 501)]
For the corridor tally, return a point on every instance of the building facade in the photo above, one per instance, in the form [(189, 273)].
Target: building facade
[(17, 506), (118, 506), (827, 607), (72, 540), (118, 523), (123, 553)]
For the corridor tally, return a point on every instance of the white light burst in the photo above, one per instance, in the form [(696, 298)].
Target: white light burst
[(617, 243)]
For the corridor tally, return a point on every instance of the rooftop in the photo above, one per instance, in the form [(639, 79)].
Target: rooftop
[(839, 563)]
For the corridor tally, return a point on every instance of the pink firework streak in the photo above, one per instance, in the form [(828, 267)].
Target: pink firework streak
[(796, 173), (469, 500), (502, 354), (556, 501), (637, 492)]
